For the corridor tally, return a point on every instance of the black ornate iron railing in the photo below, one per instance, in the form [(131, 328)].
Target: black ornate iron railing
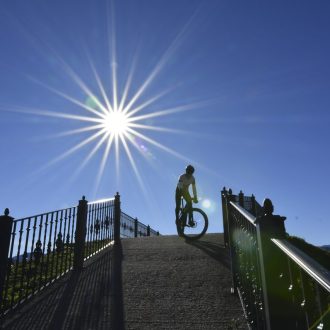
[(280, 286), (99, 233), (127, 225), (249, 203), (37, 250), (40, 251), (131, 227)]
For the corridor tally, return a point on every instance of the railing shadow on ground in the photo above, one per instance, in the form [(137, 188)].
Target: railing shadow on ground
[(65, 301), (214, 250), (38, 250), (90, 298), (117, 305)]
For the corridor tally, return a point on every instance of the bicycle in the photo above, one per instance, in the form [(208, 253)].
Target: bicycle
[(192, 224)]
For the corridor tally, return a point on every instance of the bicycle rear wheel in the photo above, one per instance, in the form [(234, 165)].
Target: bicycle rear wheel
[(197, 228)]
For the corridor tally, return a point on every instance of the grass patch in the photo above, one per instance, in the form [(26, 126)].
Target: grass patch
[(29, 275)]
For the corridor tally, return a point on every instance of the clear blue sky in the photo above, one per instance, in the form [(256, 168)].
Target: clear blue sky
[(253, 79)]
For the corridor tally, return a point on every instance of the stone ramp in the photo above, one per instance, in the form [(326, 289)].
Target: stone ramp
[(146, 283), (170, 284)]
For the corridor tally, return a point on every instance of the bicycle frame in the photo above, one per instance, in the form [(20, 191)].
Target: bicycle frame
[(185, 210)]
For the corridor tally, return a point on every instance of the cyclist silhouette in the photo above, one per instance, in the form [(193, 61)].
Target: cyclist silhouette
[(182, 190)]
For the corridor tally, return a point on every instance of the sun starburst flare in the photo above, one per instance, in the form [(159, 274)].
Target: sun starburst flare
[(111, 123), (116, 121)]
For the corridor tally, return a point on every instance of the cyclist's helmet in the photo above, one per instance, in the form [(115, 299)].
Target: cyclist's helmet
[(190, 169)]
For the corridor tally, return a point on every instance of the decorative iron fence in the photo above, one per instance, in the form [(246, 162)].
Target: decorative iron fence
[(99, 231), (37, 250), (279, 285), (127, 224), (40, 250), (131, 227)]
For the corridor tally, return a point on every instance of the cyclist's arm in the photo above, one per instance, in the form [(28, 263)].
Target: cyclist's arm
[(194, 192)]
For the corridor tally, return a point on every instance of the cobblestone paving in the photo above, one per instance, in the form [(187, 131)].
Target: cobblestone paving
[(146, 283)]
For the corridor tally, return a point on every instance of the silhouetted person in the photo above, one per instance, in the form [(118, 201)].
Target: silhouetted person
[(182, 190)]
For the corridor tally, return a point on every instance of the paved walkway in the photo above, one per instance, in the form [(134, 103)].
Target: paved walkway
[(146, 283)]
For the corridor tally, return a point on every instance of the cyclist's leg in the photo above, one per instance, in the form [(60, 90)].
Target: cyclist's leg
[(177, 203), (186, 196)]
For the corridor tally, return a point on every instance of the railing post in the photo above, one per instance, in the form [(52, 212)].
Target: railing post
[(272, 226), (253, 206), (148, 230), (80, 235), (224, 215), (241, 198), (136, 223), (116, 227), (232, 253), (6, 223)]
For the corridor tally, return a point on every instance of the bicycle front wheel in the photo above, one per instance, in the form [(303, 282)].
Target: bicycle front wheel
[(197, 227)]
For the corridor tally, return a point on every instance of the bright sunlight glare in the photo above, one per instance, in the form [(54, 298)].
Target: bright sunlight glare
[(116, 122), (112, 122)]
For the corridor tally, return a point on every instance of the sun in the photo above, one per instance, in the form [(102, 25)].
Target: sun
[(116, 123), (115, 120)]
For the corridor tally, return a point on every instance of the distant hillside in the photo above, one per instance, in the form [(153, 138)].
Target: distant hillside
[(321, 255), (20, 257), (325, 247)]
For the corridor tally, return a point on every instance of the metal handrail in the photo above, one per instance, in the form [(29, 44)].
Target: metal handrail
[(244, 212), (43, 214), (101, 201), (309, 265), (126, 215), (278, 282)]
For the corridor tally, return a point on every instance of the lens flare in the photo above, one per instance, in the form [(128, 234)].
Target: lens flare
[(206, 203), (114, 120), (209, 205)]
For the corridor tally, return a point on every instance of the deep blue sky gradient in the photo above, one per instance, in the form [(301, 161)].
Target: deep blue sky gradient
[(262, 70)]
